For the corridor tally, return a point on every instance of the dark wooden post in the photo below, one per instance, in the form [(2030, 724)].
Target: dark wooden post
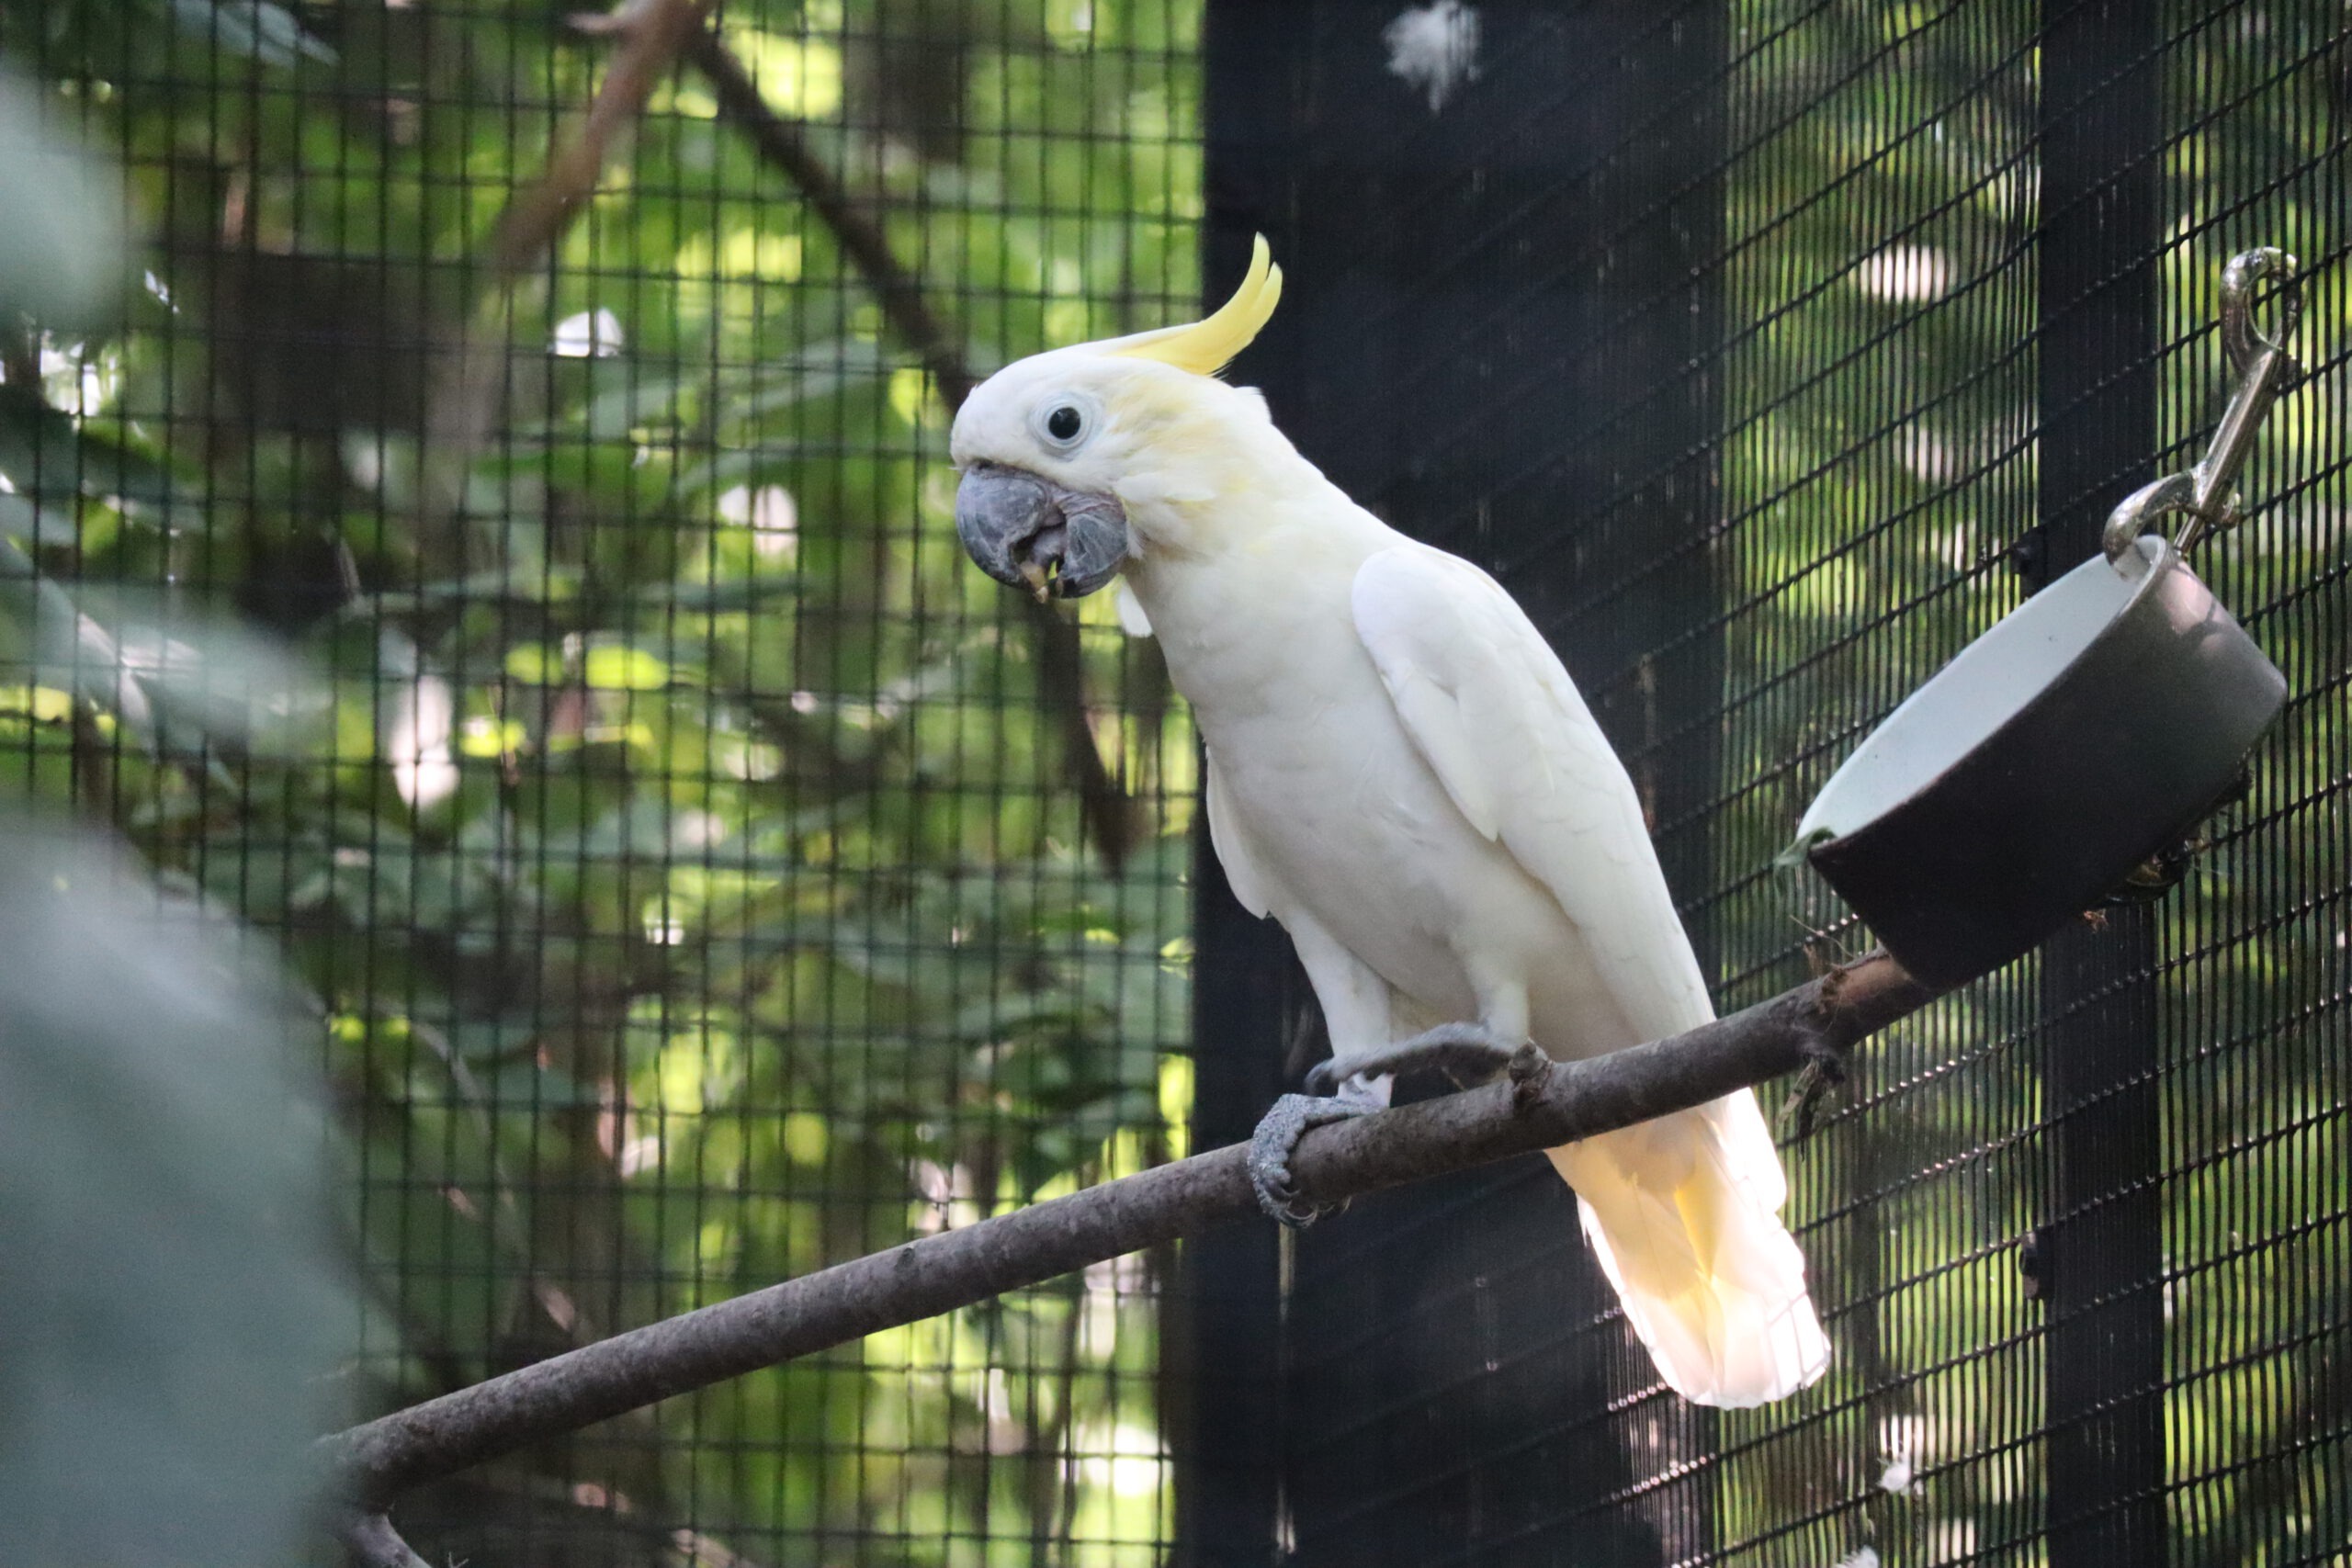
[(1497, 292), (2101, 1250)]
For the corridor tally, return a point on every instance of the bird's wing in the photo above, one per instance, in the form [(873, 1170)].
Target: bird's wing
[(1682, 1211), (1243, 871), (1492, 711)]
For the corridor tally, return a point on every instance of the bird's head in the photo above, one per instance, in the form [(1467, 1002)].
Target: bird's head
[(1079, 459)]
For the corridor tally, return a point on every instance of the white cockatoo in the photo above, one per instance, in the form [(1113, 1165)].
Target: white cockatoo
[(1402, 774)]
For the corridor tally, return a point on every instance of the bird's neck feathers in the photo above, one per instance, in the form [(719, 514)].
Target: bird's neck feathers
[(1221, 481), (1238, 538)]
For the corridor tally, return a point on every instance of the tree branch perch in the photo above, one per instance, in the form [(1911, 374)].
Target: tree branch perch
[(374, 1543), (1557, 1104)]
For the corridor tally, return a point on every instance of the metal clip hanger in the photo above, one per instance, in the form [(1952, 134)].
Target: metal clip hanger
[(2207, 494)]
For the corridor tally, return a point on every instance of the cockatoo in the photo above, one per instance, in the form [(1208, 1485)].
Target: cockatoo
[(1401, 772)]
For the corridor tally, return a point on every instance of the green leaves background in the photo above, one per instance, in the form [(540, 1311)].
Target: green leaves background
[(660, 809)]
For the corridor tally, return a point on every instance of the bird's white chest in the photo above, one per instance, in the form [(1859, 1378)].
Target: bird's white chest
[(1358, 833), (1347, 823), (1351, 827)]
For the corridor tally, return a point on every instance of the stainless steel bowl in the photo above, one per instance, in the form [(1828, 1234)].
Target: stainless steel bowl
[(2095, 725)]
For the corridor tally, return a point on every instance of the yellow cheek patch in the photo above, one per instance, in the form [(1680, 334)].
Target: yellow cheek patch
[(1160, 487)]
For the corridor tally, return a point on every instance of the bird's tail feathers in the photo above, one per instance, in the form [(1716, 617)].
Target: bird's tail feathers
[(1683, 1214)]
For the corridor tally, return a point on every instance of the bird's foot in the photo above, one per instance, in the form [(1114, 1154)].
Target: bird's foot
[(1469, 1053), (1528, 1069), (1269, 1150)]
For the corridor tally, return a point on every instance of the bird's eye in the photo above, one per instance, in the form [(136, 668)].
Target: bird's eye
[(1064, 423)]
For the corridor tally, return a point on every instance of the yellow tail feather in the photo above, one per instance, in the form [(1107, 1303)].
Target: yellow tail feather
[(1683, 1214)]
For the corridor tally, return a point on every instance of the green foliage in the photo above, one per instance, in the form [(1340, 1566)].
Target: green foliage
[(659, 806)]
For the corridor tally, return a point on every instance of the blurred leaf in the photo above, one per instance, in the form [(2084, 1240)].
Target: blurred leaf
[(61, 244), (165, 1279), (620, 669), (255, 29)]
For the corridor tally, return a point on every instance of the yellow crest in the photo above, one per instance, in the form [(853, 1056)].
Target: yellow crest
[(1206, 348)]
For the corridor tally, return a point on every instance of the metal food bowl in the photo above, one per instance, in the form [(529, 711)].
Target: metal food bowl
[(2085, 735), (2091, 729)]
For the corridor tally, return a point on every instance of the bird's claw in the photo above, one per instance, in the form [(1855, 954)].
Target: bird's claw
[(1271, 1145), (1469, 1053), (1527, 1069)]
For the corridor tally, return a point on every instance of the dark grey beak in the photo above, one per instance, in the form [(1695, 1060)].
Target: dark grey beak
[(1028, 532)]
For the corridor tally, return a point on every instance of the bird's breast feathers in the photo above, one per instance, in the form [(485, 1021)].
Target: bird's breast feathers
[(1417, 772)]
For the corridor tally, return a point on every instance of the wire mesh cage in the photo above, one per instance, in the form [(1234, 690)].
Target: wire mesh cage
[(515, 485), (498, 545), (1769, 354)]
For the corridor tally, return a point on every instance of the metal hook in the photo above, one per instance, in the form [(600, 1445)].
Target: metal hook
[(2208, 493), (2241, 339)]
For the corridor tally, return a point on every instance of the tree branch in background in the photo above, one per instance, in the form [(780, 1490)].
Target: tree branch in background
[(1560, 1103), (1108, 810), (778, 142), (651, 33)]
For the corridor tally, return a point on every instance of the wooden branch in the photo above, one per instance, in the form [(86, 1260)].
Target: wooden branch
[(779, 143), (1109, 811), (373, 1542), (1817, 1021), (652, 33), (465, 396)]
